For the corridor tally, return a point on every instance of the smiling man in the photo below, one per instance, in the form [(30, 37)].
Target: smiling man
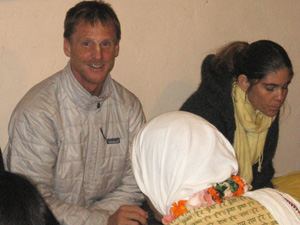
[(70, 133)]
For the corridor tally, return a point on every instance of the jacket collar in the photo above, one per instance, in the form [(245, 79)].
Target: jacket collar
[(79, 95)]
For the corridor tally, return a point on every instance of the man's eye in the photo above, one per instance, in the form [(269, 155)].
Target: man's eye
[(86, 43), (106, 44)]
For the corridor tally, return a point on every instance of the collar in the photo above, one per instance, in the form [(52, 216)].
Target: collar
[(81, 97)]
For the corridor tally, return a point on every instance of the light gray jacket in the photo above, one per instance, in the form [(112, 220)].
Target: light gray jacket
[(75, 147)]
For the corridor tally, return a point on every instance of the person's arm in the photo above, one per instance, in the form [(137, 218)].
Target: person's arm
[(32, 151), (262, 179), (127, 193)]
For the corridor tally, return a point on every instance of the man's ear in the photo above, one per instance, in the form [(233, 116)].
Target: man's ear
[(67, 47), (117, 49), (243, 82)]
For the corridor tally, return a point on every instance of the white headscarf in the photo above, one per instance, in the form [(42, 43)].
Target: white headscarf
[(178, 154)]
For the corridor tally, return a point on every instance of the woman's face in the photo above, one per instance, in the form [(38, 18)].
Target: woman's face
[(269, 93)]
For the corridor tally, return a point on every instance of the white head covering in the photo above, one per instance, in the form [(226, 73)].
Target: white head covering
[(178, 154)]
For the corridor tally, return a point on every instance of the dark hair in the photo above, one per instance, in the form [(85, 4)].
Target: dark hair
[(21, 203), (255, 60), (91, 12)]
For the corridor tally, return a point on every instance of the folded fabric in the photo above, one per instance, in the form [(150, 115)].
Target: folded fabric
[(289, 183), (284, 208)]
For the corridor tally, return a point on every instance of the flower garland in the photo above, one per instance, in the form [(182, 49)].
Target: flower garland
[(234, 186)]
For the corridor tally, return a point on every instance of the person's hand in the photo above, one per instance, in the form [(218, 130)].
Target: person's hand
[(128, 215)]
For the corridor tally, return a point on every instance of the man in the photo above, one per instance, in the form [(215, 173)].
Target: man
[(70, 133)]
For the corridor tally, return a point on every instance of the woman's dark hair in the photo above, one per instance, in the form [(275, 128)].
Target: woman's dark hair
[(91, 12), (255, 60), (21, 203)]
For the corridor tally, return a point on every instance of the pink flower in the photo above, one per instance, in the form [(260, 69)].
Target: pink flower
[(209, 199), (199, 199), (167, 219), (196, 200)]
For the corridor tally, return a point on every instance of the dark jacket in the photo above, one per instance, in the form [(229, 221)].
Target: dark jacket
[(1, 161), (213, 102)]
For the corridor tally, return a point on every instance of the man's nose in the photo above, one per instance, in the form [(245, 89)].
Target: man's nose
[(97, 52)]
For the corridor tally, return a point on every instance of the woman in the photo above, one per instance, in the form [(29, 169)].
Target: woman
[(178, 156), (242, 90)]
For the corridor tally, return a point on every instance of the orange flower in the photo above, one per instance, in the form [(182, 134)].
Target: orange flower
[(216, 195), (178, 208), (241, 184)]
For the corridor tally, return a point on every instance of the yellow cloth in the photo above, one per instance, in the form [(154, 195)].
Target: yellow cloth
[(250, 135), (238, 210), (289, 183)]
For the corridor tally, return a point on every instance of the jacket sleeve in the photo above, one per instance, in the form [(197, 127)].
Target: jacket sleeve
[(32, 151), (127, 193), (263, 179)]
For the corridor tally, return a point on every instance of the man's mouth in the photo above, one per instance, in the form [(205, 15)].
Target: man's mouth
[(96, 66)]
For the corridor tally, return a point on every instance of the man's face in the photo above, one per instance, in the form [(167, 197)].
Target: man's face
[(92, 51)]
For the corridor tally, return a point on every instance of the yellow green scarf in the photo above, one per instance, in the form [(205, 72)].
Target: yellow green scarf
[(250, 135)]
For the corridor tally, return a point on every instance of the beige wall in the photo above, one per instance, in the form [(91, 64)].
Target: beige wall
[(162, 47)]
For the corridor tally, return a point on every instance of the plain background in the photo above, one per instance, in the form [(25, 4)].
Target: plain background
[(162, 47)]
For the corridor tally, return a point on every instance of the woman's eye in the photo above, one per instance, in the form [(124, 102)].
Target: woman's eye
[(270, 89)]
